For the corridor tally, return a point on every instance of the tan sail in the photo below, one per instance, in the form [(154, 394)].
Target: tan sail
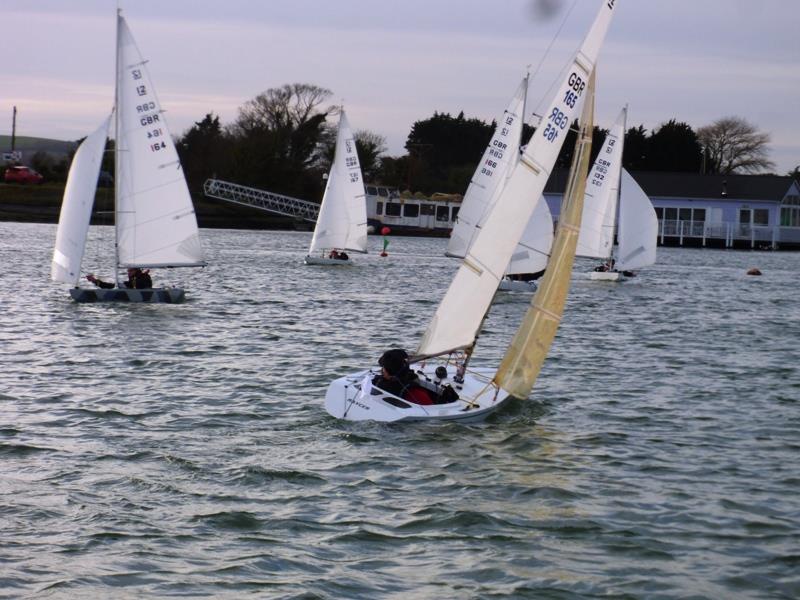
[(524, 358)]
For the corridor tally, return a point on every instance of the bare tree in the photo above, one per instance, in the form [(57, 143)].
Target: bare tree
[(731, 144), (287, 107)]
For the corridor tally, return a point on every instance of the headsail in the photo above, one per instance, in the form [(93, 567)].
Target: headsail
[(458, 318), (499, 158), (523, 360), (599, 218), (638, 227), (533, 251), (342, 220), (156, 223), (76, 208)]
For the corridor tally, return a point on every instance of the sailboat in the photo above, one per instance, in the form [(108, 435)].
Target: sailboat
[(440, 366), (154, 219), (497, 163), (342, 222), (615, 202)]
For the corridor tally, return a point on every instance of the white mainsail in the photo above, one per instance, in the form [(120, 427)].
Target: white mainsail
[(342, 220), (499, 158), (76, 207), (155, 219), (638, 227), (596, 239), (457, 320)]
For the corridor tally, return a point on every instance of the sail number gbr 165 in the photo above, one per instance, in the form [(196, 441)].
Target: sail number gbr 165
[(558, 119)]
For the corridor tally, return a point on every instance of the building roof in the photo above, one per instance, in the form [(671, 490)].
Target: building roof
[(695, 185)]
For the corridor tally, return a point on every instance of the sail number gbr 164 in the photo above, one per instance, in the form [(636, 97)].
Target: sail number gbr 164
[(558, 120)]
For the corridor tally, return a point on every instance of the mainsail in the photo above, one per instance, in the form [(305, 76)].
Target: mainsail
[(638, 227), (76, 208), (155, 219), (524, 358), (457, 320), (499, 158), (342, 220), (596, 239)]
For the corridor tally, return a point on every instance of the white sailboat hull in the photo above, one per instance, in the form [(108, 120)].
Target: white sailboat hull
[(154, 295), (320, 260), (477, 399), (606, 276), (515, 285)]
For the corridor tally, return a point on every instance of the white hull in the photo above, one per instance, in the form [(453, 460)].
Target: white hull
[(154, 295), (607, 276), (319, 260), (477, 400), (515, 285)]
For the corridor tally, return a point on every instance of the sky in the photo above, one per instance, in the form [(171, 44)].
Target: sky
[(393, 63)]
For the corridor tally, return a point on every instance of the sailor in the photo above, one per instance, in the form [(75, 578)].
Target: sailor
[(137, 279), (397, 378)]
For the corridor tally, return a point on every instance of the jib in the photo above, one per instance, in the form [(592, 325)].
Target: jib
[(576, 83), (149, 120)]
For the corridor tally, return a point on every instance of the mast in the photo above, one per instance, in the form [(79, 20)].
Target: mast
[(619, 183), (116, 151)]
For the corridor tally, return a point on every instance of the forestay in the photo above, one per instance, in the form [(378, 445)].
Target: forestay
[(498, 160), (458, 318), (156, 224), (526, 354), (76, 208), (596, 239), (638, 227), (342, 220)]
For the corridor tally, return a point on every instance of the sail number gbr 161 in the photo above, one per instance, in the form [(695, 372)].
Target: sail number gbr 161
[(558, 119)]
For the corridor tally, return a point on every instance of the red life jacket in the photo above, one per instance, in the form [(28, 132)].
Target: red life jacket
[(418, 395)]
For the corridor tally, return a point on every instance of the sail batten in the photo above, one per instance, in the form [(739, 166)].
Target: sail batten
[(526, 354), (461, 312), (76, 207), (342, 219)]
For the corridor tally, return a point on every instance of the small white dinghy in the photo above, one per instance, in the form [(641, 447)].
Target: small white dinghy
[(491, 175), (444, 352), (154, 219), (342, 222), (615, 202)]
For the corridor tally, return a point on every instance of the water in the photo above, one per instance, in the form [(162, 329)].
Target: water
[(156, 450)]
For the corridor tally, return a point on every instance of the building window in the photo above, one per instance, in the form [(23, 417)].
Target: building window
[(760, 216), (699, 214), (379, 208), (455, 213), (371, 191), (427, 209), (392, 209), (659, 213), (685, 214), (411, 210), (671, 214), (383, 192), (442, 213)]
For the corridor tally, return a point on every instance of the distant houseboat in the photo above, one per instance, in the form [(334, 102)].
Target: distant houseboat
[(411, 215)]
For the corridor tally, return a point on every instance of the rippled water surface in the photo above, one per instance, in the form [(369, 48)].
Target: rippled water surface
[(158, 450)]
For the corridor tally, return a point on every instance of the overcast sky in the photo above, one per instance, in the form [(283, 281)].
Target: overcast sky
[(393, 63)]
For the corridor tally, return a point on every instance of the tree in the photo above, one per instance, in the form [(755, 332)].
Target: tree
[(734, 145), (674, 147), (634, 152), (276, 138), (203, 150)]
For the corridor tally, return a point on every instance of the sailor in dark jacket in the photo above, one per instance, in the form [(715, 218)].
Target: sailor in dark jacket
[(396, 377)]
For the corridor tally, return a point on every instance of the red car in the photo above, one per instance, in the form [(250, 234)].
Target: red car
[(22, 174)]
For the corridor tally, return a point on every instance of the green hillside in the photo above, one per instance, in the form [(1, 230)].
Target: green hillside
[(31, 145)]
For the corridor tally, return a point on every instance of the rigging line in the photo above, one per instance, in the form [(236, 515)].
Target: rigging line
[(544, 56)]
